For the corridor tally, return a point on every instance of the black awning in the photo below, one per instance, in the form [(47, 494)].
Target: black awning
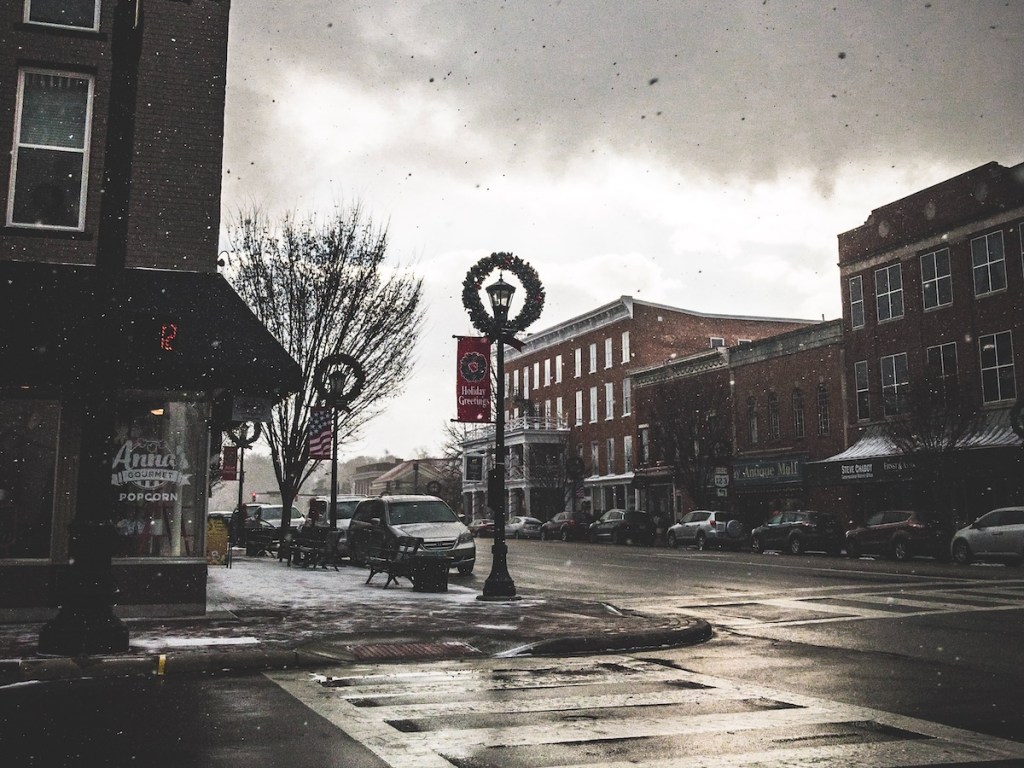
[(178, 330)]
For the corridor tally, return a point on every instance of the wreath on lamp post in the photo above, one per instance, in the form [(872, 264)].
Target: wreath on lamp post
[(482, 320)]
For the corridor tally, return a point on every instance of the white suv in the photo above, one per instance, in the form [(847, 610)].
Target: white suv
[(706, 528)]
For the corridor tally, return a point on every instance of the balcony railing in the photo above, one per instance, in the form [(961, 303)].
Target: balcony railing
[(520, 424)]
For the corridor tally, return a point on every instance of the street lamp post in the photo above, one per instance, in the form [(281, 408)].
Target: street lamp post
[(499, 584), (339, 380)]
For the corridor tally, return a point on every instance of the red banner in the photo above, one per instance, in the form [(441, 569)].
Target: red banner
[(229, 463), (473, 381)]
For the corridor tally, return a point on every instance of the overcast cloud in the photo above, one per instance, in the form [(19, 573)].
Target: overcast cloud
[(698, 154)]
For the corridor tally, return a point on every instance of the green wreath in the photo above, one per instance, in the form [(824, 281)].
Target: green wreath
[(481, 319)]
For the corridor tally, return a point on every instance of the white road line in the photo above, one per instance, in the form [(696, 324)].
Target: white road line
[(500, 689)]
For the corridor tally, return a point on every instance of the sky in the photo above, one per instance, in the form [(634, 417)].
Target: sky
[(703, 155)]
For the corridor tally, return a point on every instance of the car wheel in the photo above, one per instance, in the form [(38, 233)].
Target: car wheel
[(465, 569), (702, 542), (852, 548), (796, 545), (962, 552), (672, 540), (901, 549), (565, 534), (756, 546)]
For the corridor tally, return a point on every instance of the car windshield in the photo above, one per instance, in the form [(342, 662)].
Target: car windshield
[(406, 512), (343, 509)]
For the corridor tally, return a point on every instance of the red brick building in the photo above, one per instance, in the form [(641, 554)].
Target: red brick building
[(735, 428), (570, 395), (933, 309), (108, 281)]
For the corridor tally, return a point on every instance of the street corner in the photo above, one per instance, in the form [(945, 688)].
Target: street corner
[(654, 637)]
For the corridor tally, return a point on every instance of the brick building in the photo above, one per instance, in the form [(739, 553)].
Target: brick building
[(933, 291), (110, 298), (735, 428), (570, 395)]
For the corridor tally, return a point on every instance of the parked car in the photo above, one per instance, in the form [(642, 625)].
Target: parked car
[(482, 527), (707, 528), (900, 534), (380, 521), (272, 513), (799, 531), (521, 527), (997, 535), (344, 507), (567, 526), (622, 525)]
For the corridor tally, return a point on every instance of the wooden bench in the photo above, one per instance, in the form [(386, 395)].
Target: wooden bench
[(404, 558)]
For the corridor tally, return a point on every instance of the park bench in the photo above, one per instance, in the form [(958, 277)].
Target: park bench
[(315, 548), (404, 558)]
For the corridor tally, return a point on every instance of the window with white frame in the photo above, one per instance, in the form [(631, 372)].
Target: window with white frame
[(547, 410), (526, 382), (578, 355), (627, 397), (515, 381), (989, 263), (559, 408), (593, 357), (607, 353), (895, 380), (936, 279), (998, 380), (78, 14), (51, 150), (717, 341), (627, 453), (579, 407), (536, 375), (860, 378), (547, 372), (593, 405), (942, 370), (752, 421), (856, 302), (889, 292), (609, 448), (595, 459), (645, 443), (558, 369), (799, 428), (625, 347), (824, 417), (609, 401)]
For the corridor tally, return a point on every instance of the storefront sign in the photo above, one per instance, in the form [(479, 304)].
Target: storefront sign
[(780, 470), (216, 542), (149, 470), (873, 469)]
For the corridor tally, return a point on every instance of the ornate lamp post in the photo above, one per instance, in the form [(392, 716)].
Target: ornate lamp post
[(500, 330), (339, 380)]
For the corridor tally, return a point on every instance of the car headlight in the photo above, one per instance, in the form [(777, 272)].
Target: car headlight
[(464, 538)]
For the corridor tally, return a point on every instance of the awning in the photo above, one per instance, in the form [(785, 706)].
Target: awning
[(177, 330), (874, 457)]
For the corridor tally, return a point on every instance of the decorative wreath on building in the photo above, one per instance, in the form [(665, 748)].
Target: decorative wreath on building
[(481, 319)]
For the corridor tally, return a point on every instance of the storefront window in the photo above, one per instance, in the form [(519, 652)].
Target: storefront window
[(158, 469), (28, 451)]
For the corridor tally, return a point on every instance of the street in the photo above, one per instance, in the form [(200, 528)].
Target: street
[(814, 660)]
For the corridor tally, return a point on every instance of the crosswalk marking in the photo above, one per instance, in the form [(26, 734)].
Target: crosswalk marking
[(611, 712), (837, 604)]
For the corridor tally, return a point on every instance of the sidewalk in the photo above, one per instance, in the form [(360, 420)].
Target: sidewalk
[(262, 614)]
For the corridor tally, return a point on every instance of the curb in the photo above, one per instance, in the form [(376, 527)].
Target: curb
[(697, 632)]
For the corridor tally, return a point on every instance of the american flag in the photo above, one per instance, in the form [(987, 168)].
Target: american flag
[(320, 433)]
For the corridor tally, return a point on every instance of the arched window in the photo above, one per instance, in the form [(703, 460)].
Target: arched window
[(774, 427), (823, 417), (798, 413), (752, 420)]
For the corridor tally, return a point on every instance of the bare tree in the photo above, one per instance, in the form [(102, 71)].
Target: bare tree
[(690, 432), (323, 287)]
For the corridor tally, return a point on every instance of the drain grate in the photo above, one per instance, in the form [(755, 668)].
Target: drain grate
[(378, 651)]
